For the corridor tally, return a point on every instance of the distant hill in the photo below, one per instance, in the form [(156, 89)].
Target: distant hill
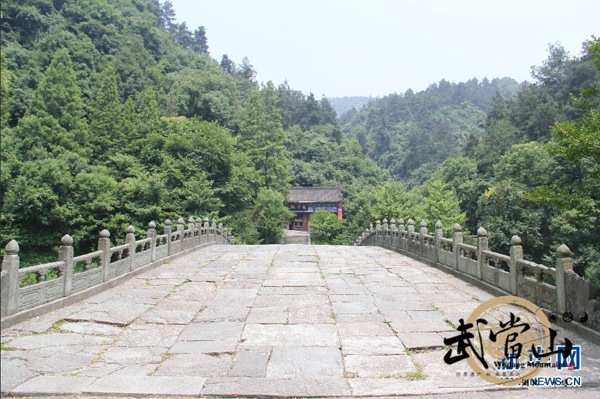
[(344, 104)]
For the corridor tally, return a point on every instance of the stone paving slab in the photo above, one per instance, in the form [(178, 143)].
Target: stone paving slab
[(155, 385), (283, 321)]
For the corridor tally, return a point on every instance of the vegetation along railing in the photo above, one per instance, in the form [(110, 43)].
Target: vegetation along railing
[(72, 278), (557, 289)]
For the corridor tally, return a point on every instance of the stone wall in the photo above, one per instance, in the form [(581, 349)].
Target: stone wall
[(556, 289), (72, 278)]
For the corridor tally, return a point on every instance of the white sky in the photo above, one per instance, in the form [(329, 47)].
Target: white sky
[(376, 47)]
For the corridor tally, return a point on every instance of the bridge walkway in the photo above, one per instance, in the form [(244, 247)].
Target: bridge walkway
[(279, 320)]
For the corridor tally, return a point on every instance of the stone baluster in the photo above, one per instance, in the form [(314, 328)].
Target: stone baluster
[(65, 254), (191, 225), (439, 234), (411, 227), (457, 238), (516, 254), (152, 236), (181, 230), (401, 225), (10, 279), (422, 234), (386, 231), (199, 229), (213, 229), (482, 245), (378, 232), (104, 246), (130, 239), (563, 263), (393, 233), (168, 232)]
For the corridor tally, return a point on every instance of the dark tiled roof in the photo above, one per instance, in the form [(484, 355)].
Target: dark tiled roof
[(315, 194)]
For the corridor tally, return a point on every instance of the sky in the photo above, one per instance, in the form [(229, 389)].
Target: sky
[(337, 48)]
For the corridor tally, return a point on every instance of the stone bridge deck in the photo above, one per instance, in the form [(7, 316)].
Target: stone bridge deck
[(290, 320)]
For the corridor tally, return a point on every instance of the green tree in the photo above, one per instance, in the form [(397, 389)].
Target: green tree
[(59, 96), (270, 216), (106, 119), (4, 82), (439, 202), (326, 228), (263, 139)]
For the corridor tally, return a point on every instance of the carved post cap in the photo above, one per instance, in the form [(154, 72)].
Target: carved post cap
[(180, 221), (220, 226), (423, 223), (191, 220), (438, 225), (393, 221), (515, 240), (12, 248), (130, 229), (385, 220), (66, 240), (168, 222), (152, 225), (105, 233), (410, 221), (206, 219), (481, 232), (563, 251), (457, 228), (199, 220), (401, 221)]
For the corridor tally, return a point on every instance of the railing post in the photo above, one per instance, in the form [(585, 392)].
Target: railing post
[(385, 231), (65, 254), (10, 279), (401, 230), (563, 263), (104, 246), (199, 228), (130, 239), (393, 233), (152, 235), (180, 230), (516, 253), (168, 229), (206, 230), (439, 234), (457, 238), (422, 233), (410, 232), (411, 226), (482, 245), (377, 232), (220, 235), (213, 229)]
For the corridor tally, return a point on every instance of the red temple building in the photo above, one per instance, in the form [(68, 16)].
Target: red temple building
[(307, 200)]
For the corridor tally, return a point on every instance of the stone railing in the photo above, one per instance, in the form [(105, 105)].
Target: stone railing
[(73, 278), (557, 289)]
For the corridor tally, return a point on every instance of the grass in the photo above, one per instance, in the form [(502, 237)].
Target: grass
[(451, 324), (4, 347)]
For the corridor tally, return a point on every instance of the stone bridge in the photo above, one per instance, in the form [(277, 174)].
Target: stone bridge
[(285, 321)]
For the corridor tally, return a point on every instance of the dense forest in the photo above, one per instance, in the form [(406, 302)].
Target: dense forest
[(115, 114)]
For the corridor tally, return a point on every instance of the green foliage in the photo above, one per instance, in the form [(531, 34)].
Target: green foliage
[(325, 228), (270, 216), (4, 83)]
